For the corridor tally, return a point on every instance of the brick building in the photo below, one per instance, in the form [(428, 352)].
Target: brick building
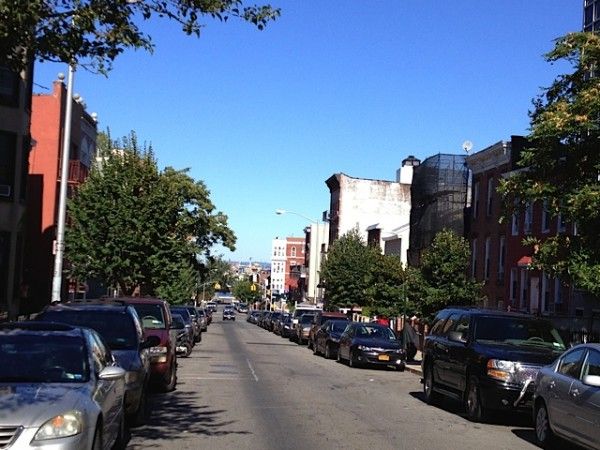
[(47, 126)]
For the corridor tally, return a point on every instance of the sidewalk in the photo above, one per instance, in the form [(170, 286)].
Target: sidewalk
[(414, 366)]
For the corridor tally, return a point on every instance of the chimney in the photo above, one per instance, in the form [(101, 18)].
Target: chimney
[(405, 173)]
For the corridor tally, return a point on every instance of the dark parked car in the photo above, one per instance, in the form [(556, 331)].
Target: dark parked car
[(199, 322), (59, 388), (320, 318), (273, 318), (327, 338), (487, 359), (121, 329), (195, 327), (156, 318), (253, 316), (287, 326), (185, 336), (242, 308), (303, 328), (371, 343), (567, 398)]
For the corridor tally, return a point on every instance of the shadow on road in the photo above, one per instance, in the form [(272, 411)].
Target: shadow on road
[(179, 414)]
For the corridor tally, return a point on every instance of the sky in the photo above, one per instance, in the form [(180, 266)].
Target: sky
[(265, 117)]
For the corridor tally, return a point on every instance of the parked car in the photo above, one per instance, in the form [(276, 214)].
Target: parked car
[(303, 328), (278, 324), (487, 359), (59, 388), (228, 314), (122, 330), (287, 326), (188, 319), (185, 337), (319, 319), (253, 316), (273, 318), (327, 338), (371, 344), (567, 398), (242, 308), (156, 318), (206, 315), (199, 322)]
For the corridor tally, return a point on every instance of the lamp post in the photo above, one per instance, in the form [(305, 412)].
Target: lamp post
[(317, 245)]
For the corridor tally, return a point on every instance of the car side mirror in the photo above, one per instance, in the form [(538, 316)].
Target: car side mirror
[(111, 373), (457, 336), (151, 341), (592, 380)]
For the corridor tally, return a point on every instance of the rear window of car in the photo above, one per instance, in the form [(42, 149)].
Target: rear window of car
[(306, 319), (152, 315), (338, 326), (116, 327), (43, 359)]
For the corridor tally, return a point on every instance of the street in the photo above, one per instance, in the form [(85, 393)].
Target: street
[(245, 387)]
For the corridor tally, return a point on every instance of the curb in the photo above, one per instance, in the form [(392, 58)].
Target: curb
[(414, 370)]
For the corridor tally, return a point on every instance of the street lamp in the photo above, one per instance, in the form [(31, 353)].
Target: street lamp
[(317, 253)]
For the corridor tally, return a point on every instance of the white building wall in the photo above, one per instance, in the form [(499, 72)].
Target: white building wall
[(319, 236), (278, 262)]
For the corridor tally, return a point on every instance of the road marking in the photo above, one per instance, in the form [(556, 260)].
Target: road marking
[(252, 370)]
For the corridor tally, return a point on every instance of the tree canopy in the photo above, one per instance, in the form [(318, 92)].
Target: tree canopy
[(95, 32), (133, 226), (561, 166), (246, 291)]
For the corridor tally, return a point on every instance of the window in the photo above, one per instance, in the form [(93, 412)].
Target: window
[(9, 87), (513, 285), (545, 217), (8, 152), (545, 293), (475, 198), (462, 326), (501, 257), (474, 259), (592, 364), (557, 291), (487, 258), (570, 364), (528, 218), (293, 252), (561, 224), (450, 322), (490, 196), (524, 286), (515, 220)]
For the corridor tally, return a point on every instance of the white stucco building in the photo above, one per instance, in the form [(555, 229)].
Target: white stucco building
[(278, 265)]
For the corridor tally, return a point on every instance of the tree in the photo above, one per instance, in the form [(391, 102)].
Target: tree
[(347, 270), (385, 291), (561, 167), (246, 291), (133, 226), (442, 278), (95, 32)]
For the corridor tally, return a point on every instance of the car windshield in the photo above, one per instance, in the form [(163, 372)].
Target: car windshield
[(517, 331), (117, 328), (178, 322), (373, 332), (306, 319), (184, 313), (44, 358), (338, 326), (152, 315)]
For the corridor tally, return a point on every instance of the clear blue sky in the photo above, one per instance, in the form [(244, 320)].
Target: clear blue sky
[(264, 118)]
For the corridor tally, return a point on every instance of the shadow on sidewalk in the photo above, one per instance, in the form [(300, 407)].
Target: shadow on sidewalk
[(179, 414)]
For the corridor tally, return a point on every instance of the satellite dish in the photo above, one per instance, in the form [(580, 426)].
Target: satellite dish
[(467, 146)]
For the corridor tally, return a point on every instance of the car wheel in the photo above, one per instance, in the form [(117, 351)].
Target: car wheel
[(351, 361), (172, 380), (309, 344), (431, 397), (339, 356), (188, 350), (473, 406), (327, 351), (400, 367), (543, 432), (97, 444), (315, 348)]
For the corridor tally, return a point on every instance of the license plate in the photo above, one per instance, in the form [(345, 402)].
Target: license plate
[(384, 357)]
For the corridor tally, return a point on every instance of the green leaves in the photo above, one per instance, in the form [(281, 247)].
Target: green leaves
[(93, 33), (134, 226)]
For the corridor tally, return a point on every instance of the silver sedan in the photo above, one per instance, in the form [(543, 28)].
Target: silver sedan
[(567, 398), (59, 388)]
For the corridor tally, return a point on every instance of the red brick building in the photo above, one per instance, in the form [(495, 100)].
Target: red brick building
[(47, 126), (294, 255), (498, 257)]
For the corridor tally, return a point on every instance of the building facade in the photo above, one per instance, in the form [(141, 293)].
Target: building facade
[(47, 128), (591, 15), (295, 275), (316, 238), (373, 207), (15, 144), (278, 266)]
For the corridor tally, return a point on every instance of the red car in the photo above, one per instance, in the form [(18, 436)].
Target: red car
[(156, 318)]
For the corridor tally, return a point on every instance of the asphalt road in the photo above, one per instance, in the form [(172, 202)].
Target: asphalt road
[(243, 387)]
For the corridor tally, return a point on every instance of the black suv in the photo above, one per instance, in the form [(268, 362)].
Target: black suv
[(487, 359), (122, 330)]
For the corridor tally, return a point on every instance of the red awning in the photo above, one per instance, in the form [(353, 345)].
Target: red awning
[(524, 261)]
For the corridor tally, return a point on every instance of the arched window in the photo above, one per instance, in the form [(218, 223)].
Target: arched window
[(293, 252)]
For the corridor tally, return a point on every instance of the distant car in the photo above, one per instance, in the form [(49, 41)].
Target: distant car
[(287, 326), (319, 319), (188, 320), (156, 318), (185, 336), (371, 344), (199, 322), (253, 316), (204, 318), (303, 328), (242, 308), (567, 398), (327, 338), (121, 329), (59, 388), (228, 314), (212, 306)]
